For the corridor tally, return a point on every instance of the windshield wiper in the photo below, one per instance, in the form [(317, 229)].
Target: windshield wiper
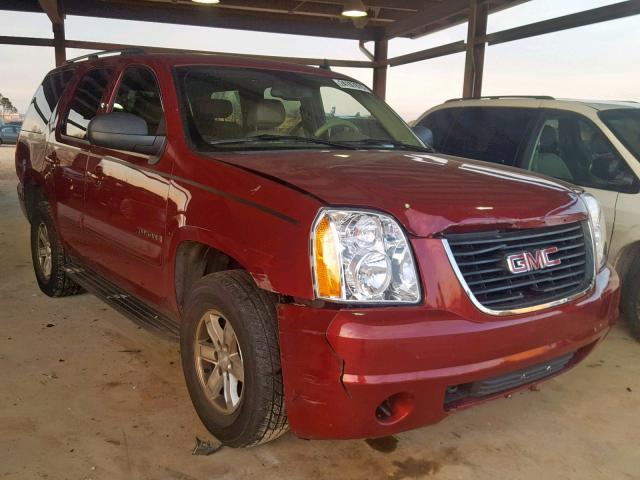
[(278, 138), (392, 143)]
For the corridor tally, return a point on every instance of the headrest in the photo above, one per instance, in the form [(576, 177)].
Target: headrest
[(213, 107), (548, 138), (266, 114)]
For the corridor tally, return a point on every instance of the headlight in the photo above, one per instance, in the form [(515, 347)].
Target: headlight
[(598, 228), (361, 256)]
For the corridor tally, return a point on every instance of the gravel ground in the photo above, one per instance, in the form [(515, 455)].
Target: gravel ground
[(86, 394)]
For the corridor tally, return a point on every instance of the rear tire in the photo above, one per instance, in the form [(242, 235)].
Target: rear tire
[(48, 256), (631, 299), (231, 359)]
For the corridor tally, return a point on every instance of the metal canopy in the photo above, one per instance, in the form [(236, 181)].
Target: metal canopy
[(386, 19)]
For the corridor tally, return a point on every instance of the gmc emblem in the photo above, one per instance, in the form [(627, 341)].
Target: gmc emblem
[(528, 262)]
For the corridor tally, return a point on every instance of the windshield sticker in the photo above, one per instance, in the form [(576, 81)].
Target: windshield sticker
[(350, 84)]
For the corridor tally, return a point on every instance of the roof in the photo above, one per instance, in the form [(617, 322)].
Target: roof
[(540, 101), (608, 104), (386, 18)]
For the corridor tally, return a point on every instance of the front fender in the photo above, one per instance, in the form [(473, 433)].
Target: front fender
[(274, 251)]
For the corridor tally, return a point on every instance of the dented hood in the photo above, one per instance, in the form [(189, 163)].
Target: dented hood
[(427, 193)]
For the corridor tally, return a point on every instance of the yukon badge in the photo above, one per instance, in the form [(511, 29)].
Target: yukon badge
[(530, 261)]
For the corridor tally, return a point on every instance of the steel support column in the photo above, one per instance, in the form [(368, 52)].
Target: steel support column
[(59, 43), (474, 62), (380, 54), (55, 12)]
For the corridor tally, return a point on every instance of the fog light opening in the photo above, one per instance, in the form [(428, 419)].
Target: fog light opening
[(394, 408)]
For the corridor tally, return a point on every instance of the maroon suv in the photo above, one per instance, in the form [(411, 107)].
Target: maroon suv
[(322, 268)]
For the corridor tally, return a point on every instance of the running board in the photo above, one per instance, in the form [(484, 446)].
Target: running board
[(122, 301)]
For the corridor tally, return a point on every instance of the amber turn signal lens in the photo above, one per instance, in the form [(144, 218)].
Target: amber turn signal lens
[(327, 262)]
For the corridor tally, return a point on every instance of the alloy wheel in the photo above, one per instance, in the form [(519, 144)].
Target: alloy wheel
[(219, 363), (44, 251)]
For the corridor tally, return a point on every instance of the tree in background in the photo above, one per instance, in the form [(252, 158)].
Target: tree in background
[(6, 107)]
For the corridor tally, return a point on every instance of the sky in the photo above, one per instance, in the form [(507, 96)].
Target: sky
[(599, 61)]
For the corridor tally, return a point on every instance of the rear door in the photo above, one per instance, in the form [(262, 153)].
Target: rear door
[(41, 117), (569, 146), (492, 134), (126, 195)]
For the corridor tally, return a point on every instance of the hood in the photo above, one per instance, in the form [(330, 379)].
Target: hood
[(427, 193)]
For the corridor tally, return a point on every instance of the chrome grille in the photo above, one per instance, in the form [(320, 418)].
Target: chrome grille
[(480, 258)]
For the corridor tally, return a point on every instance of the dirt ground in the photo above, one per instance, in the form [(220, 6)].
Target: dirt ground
[(86, 394)]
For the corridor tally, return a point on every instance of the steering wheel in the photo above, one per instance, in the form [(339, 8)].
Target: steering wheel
[(334, 122)]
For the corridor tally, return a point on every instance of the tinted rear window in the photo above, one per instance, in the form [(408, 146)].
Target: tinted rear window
[(45, 100), (490, 134)]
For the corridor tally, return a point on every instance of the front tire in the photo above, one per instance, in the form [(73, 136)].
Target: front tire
[(48, 256), (231, 359), (631, 299)]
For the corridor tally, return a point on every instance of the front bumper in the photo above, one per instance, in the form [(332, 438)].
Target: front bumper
[(340, 365)]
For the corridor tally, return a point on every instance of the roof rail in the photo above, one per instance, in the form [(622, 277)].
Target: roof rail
[(497, 97), (96, 55)]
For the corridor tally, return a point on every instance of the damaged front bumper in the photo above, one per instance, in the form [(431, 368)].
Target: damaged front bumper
[(370, 372)]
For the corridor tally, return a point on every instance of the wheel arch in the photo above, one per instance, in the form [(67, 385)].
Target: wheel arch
[(197, 252), (193, 260), (34, 191), (626, 258)]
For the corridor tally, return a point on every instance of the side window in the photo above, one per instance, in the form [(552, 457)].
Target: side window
[(86, 102), (570, 147), (491, 134), (139, 94), (45, 100)]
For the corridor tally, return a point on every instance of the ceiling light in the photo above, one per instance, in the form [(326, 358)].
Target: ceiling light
[(354, 9), (206, 1)]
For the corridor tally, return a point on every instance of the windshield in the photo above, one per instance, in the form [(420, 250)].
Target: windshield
[(625, 124), (245, 109)]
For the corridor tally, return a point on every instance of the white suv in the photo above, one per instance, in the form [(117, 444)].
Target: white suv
[(593, 144)]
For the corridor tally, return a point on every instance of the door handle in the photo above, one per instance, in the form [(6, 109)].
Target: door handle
[(51, 158)]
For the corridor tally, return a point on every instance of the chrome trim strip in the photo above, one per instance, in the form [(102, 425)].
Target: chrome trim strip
[(515, 311)]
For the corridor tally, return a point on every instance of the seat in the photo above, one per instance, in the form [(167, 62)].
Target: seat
[(546, 159), (208, 115), (265, 116)]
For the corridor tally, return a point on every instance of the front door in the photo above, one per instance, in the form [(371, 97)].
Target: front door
[(126, 196), (570, 147), (67, 153)]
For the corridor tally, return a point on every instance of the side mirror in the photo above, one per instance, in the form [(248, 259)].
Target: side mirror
[(423, 133), (124, 131)]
